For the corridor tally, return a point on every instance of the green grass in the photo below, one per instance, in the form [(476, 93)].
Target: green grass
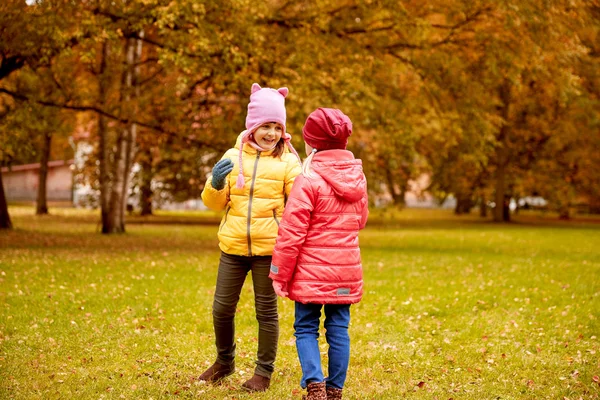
[(453, 308)]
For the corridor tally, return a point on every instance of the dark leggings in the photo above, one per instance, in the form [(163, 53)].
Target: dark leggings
[(230, 279)]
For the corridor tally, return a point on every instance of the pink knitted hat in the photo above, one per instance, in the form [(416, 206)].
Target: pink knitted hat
[(266, 105)]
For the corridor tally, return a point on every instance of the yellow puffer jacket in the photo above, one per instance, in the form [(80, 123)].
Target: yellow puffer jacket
[(251, 221)]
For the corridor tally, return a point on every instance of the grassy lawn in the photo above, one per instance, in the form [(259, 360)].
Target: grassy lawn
[(454, 308)]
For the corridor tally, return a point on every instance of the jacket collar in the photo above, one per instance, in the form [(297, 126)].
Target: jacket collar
[(333, 155)]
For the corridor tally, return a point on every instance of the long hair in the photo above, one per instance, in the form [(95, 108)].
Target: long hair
[(279, 148), (306, 171)]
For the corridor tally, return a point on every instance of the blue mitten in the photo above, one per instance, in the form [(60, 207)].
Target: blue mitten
[(220, 172)]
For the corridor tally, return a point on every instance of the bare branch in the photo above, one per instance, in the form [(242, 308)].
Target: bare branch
[(151, 77), (174, 49), (84, 108), (296, 23), (342, 8), (148, 60), (196, 84), (471, 18)]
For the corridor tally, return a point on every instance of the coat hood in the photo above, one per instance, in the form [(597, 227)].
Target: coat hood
[(343, 172)]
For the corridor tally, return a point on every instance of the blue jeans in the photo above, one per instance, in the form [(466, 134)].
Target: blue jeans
[(337, 318)]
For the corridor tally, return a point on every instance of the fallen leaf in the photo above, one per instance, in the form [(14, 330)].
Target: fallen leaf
[(575, 374)]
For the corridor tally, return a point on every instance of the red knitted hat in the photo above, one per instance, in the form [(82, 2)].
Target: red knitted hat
[(327, 128)]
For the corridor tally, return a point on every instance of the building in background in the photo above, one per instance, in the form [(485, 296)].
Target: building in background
[(21, 181)]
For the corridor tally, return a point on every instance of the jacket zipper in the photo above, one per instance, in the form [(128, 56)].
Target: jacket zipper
[(250, 203), (275, 216), (225, 219)]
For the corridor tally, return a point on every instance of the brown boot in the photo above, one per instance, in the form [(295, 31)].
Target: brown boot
[(216, 372), (257, 384), (316, 391), (333, 393)]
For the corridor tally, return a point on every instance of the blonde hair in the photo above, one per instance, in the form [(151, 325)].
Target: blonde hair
[(306, 171)]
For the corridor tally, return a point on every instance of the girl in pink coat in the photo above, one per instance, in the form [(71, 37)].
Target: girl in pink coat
[(316, 260)]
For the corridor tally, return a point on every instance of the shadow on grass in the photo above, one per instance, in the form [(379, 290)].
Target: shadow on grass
[(173, 220), (389, 218), (85, 238), (451, 221)]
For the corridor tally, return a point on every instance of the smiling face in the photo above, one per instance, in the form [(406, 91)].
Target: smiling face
[(267, 135)]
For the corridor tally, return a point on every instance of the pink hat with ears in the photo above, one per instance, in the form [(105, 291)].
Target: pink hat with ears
[(266, 105)]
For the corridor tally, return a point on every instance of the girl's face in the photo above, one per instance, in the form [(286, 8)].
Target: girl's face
[(267, 135)]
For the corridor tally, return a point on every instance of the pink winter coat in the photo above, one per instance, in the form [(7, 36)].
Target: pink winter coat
[(317, 251)]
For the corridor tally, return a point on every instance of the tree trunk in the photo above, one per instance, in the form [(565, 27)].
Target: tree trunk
[(463, 205), (506, 208), (499, 196), (125, 146), (4, 217), (502, 155), (397, 194), (482, 207), (41, 202), (146, 184), (103, 142), (564, 212)]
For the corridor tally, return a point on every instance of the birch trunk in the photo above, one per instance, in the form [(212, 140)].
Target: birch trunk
[(125, 146)]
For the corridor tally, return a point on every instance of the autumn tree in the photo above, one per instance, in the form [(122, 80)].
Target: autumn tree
[(477, 94), (565, 170), (30, 37)]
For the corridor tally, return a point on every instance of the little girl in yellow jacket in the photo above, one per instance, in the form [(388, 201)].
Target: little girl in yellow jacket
[(253, 197)]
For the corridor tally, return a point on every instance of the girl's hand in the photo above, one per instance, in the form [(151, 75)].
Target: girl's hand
[(220, 172), (280, 288)]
